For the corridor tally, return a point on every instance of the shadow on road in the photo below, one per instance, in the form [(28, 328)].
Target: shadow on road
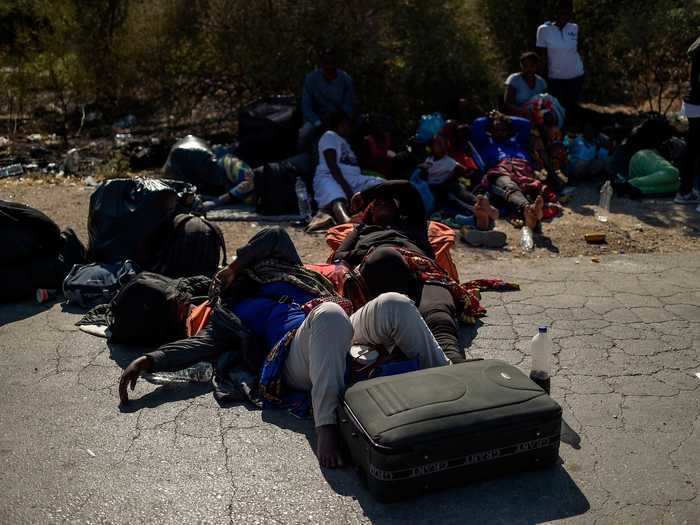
[(527, 498), (12, 312)]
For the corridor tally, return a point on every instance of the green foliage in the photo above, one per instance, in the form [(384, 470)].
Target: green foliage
[(633, 50)]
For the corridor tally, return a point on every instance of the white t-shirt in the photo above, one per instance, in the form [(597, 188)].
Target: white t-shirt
[(689, 110), (439, 170), (563, 57), (347, 161)]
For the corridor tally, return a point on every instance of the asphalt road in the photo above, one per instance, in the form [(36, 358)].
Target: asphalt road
[(627, 339)]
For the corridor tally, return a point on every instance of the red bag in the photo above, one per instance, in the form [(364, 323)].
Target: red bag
[(345, 304)]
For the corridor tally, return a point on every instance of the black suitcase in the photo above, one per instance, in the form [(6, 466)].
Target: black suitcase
[(441, 427)]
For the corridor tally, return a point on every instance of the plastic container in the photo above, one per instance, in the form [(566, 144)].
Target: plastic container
[(303, 199), (527, 243), (541, 354), (606, 195), (198, 373), (44, 294)]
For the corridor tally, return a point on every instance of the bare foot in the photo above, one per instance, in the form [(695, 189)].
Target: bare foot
[(484, 213), (534, 212), (328, 446)]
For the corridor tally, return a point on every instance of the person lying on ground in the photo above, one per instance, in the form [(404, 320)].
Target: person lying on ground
[(442, 173), (502, 142), (392, 227), (338, 176), (524, 86), (239, 184), (260, 294), (326, 90)]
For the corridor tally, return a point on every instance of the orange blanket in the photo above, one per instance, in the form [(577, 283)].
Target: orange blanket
[(441, 238)]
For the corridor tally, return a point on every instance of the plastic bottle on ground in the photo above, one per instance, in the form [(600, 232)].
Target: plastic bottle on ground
[(541, 355), (527, 243), (606, 195), (198, 373), (303, 199)]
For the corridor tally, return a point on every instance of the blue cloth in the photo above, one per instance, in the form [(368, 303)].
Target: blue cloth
[(267, 317), (322, 97), (582, 150), (492, 152)]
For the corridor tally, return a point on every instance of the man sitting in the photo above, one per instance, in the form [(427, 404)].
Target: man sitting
[(326, 90), (263, 292)]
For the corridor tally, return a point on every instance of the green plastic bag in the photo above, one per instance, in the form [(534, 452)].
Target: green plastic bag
[(650, 173)]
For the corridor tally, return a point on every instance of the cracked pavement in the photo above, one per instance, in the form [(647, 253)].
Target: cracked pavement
[(626, 334)]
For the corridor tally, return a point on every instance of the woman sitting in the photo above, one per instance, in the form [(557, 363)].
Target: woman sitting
[(522, 87), (338, 176)]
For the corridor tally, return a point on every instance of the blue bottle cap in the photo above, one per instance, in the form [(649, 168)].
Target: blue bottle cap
[(543, 329)]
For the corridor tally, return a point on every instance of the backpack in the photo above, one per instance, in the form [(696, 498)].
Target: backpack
[(275, 192), (92, 284), (195, 246), (152, 308)]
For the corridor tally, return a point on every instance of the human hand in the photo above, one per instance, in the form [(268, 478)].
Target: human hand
[(130, 376), (357, 203)]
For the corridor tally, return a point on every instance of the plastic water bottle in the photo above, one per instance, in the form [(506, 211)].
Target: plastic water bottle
[(606, 195), (527, 243), (541, 354), (198, 373), (303, 199), (11, 170)]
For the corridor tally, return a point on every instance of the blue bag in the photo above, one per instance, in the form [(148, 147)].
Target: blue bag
[(425, 192), (429, 126)]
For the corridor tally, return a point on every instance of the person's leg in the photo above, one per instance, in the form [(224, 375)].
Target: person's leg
[(438, 309), (509, 191), (393, 321), (690, 166), (305, 137), (316, 363), (339, 211)]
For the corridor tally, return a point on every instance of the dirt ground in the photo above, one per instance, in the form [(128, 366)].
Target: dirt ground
[(647, 226)]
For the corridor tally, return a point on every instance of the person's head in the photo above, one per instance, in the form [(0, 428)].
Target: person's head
[(385, 270), (565, 11), (500, 126), (384, 211), (439, 146), (329, 64), (529, 62), (339, 121)]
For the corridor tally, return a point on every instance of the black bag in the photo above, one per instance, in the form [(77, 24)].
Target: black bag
[(268, 129), (444, 426), (192, 160), (130, 218), (275, 192), (97, 283), (195, 246), (26, 232), (35, 253), (152, 308)]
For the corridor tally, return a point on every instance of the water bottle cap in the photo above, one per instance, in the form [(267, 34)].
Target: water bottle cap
[(543, 329)]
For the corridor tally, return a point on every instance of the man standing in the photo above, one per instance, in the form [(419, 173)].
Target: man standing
[(327, 90), (557, 42), (687, 194)]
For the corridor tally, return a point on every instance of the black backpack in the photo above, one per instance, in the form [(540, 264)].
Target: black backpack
[(26, 232), (267, 129), (275, 193), (195, 246)]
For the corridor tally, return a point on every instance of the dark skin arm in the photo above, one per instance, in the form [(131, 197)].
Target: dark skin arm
[(510, 106), (542, 51), (332, 163), (131, 374)]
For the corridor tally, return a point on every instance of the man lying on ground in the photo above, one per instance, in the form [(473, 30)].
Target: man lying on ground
[(263, 292), (503, 144), (391, 236)]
